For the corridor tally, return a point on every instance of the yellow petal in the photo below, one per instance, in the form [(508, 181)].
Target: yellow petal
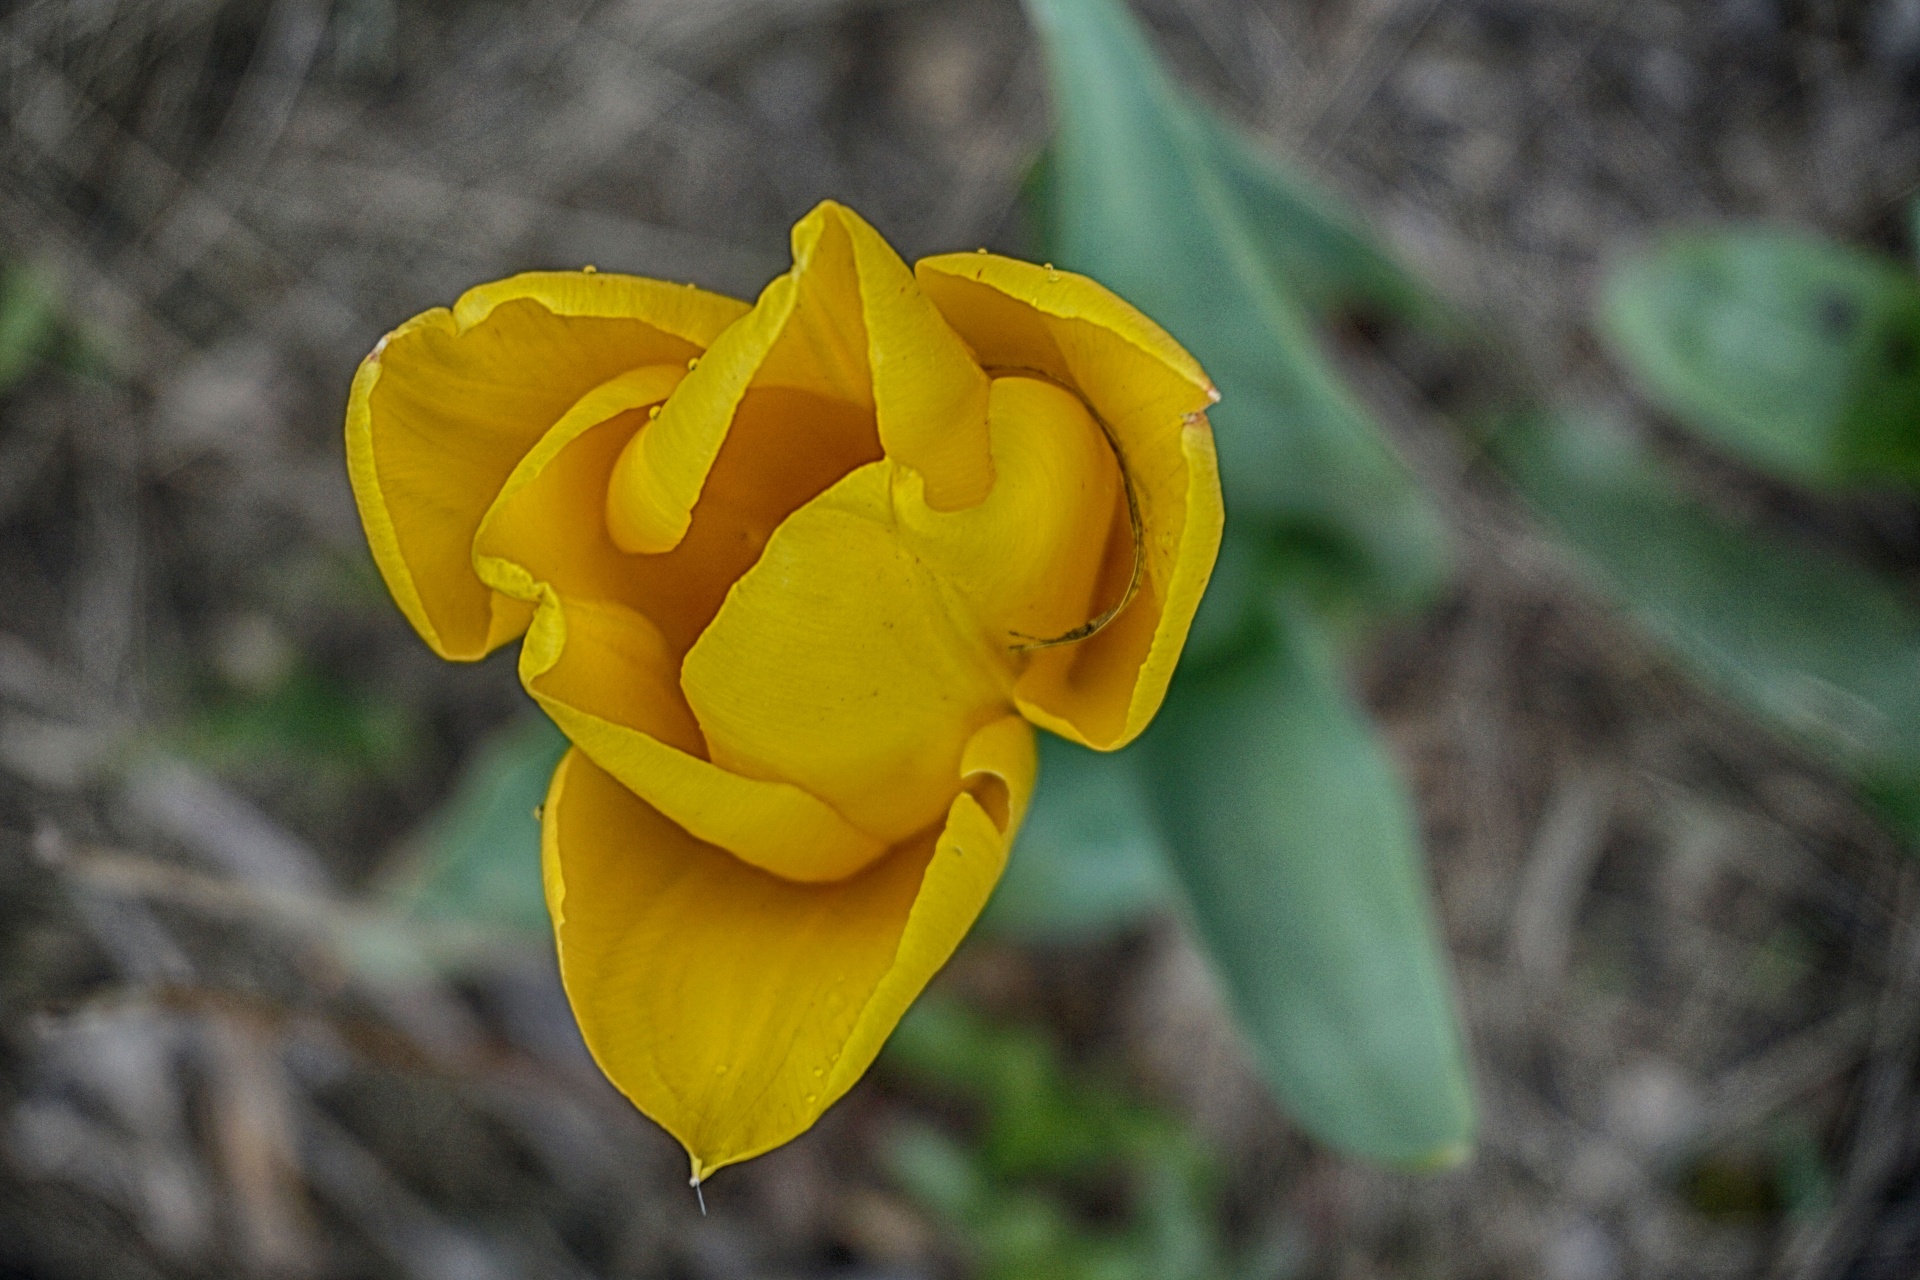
[(547, 525), (449, 402), (1029, 557), (734, 1007), (600, 666), (543, 525), (607, 679), (841, 663), (1151, 396), (847, 323)]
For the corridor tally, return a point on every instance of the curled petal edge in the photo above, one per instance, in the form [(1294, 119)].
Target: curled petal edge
[(1178, 599), (426, 570), (1150, 396)]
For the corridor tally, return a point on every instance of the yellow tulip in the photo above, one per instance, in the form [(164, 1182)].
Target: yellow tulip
[(796, 580)]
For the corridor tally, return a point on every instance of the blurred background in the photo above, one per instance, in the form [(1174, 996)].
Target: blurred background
[(265, 1011)]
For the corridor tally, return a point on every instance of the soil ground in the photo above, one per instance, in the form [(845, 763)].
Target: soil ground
[(1689, 963)]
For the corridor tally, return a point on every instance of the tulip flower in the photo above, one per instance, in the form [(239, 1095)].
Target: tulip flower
[(796, 580)]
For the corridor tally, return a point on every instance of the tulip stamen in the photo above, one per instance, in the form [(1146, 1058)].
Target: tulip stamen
[(1093, 626)]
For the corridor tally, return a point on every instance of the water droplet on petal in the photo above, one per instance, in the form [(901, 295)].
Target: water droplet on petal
[(589, 268), (1052, 275), (981, 249), (693, 364), (653, 413)]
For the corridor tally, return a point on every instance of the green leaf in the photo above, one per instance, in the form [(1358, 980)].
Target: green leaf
[(935, 1170), (1314, 249), (478, 859), (29, 320), (1047, 1126), (1800, 356), (1040, 1120), (1162, 203), (1821, 649), (1088, 860), (308, 721), (1296, 844)]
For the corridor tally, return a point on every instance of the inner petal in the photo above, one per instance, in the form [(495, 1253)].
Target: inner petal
[(847, 323), (843, 664), (596, 657), (785, 447), (1028, 559)]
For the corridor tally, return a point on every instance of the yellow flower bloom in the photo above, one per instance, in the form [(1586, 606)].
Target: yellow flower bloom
[(795, 579)]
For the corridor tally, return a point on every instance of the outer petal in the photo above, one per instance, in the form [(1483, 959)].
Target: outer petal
[(449, 402), (1151, 395), (846, 323), (841, 663), (598, 664), (734, 1007)]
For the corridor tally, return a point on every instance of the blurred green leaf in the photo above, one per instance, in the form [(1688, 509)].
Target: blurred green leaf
[(309, 721), (29, 321), (1314, 250), (478, 859), (936, 1170), (1800, 356), (1048, 1127), (1297, 847), (1286, 825), (1805, 1181), (1161, 202), (1040, 1120), (1822, 649), (1088, 859)]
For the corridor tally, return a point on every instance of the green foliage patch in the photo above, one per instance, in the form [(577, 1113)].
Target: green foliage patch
[(1050, 1141), (1279, 809), (1799, 356)]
